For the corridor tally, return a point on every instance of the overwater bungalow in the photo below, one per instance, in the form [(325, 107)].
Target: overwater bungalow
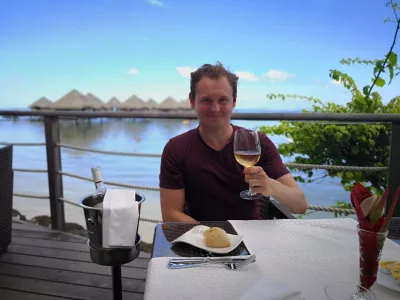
[(151, 104), (73, 100), (94, 103), (42, 104), (133, 103), (168, 104), (184, 105), (113, 104)]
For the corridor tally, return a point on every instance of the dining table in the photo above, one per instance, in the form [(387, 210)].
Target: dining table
[(303, 255)]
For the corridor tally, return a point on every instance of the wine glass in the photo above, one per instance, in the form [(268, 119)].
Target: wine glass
[(247, 151)]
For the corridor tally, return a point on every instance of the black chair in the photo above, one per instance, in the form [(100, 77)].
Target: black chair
[(6, 194), (270, 209), (394, 229)]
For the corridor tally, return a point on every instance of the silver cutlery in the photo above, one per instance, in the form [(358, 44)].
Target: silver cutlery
[(242, 264), (234, 263)]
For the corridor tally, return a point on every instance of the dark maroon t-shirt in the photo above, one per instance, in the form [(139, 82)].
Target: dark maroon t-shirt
[(213, 179)]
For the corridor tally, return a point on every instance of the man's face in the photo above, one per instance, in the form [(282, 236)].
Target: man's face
[(214, 102)]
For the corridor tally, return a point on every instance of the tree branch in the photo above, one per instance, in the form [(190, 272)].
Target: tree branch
[(390, 51), (395, 12)]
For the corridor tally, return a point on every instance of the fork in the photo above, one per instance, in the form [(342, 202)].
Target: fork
[(242, 264), (231, 264), (239, 265)]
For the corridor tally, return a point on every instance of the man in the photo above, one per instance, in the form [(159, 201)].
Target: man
[(200, 179)]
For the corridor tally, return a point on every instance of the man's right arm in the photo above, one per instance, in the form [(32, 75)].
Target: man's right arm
[(172, 202), (172, 185)]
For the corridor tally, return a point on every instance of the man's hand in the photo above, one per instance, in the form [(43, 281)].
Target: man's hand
[(258, 180), (283, 189)]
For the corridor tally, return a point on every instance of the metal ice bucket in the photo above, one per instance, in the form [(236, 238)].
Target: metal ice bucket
[(94, 217)]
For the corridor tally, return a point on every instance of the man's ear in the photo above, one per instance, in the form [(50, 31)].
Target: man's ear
[(191, 98), (234, 102)]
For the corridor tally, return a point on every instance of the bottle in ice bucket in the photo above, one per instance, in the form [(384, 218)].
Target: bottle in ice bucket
[(101, 189)]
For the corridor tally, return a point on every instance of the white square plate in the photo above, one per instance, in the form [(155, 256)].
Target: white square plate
[(387, 281), (195, 238)]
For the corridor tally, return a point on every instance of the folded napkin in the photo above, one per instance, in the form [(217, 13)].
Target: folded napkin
[(370, 209), (269, 289), (120, 218)]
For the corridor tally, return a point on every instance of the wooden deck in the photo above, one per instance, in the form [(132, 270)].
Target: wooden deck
[(41, 264)]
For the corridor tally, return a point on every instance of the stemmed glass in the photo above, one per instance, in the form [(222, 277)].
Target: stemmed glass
[(247, 151), (370, 245)]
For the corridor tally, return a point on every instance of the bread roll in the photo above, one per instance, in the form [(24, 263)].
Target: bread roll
[(216, 237)]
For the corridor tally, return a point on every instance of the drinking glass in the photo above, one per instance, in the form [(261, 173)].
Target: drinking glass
[(247, 151), (370, 244)]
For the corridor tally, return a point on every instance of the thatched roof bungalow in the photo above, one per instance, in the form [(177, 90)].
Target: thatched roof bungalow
[(151, 104), (168, 104), (73, 100), (133, 103), (185, 105), (94, 103), (113, 104), (42, 104)]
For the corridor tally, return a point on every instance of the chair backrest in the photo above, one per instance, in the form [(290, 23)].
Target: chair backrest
[(6, 194)]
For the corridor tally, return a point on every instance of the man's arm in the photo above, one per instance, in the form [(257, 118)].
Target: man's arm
[(172, 185), (172, 202), (277, 181), (286, 191)]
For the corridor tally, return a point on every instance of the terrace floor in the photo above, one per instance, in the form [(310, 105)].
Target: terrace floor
[(44, 264)]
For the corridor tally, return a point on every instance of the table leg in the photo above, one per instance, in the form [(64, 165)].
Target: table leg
[(116, 282)]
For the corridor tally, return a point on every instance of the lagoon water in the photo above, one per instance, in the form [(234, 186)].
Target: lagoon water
[(125, 135)]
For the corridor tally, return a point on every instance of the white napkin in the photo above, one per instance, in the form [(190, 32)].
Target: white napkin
[(269, 289), (120, 218)]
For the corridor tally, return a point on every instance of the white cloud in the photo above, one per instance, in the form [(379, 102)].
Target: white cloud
[(248, 76), (185, 71), (133, 71), (156, 3), (275, 75)]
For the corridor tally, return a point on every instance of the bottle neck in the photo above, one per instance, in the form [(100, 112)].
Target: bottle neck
[(99, 185)]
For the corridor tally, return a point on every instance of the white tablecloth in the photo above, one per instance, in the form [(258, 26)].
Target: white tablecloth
[(305, 254)]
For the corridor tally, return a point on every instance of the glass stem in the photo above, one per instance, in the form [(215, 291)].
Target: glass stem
[(251, 191)]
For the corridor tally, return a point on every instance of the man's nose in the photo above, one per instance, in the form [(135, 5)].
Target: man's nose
[(214, 107)]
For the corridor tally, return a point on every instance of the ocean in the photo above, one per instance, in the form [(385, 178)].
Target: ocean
[(125, 135)]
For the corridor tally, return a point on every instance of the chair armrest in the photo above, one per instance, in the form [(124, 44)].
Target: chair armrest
[(394, 228), (271, 209)]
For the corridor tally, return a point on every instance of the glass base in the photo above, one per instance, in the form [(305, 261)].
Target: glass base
[(347, 291), (247, 195)]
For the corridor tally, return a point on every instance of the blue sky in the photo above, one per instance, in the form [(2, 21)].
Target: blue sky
[(148, 47)]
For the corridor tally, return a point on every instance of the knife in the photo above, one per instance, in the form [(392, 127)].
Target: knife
[(206, 260)]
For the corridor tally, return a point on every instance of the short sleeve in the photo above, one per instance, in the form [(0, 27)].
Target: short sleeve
[(171, 169), (270, 160)]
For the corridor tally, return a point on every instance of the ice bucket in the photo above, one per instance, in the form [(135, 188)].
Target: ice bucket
[(94, 216)]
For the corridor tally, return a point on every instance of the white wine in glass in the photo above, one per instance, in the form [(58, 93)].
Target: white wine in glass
[(247, 151)]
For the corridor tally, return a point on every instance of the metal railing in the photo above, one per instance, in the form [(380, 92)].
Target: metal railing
[(54, 145)]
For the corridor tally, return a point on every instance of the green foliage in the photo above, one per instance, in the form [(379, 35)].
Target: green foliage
[(326, 143)]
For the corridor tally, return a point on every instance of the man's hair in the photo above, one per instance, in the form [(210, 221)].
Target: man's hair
[(215, 72)]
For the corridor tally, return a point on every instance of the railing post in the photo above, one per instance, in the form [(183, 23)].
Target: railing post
[(52, 132), (394, 167)]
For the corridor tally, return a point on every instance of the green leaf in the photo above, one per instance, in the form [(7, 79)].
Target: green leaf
[(393, 59), (380, 82), (366, 90), (386, 20), (391, 73)]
